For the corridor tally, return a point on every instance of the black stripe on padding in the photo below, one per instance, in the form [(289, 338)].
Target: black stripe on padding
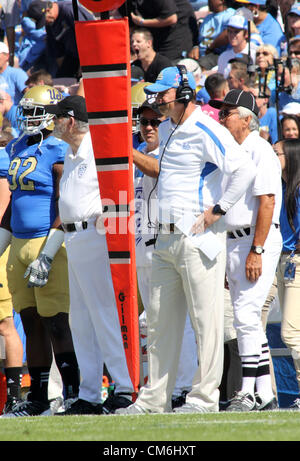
[(108, 114), (112, 160), (104, 67), (119, 254)]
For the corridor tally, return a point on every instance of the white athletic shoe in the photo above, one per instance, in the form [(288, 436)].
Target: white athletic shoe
[(295, 405), (242, 401), (133, 409), (265, 405), (190, 408)]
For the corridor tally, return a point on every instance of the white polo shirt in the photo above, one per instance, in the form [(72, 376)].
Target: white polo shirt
[(79, 195), (266, 181), (197, 161)]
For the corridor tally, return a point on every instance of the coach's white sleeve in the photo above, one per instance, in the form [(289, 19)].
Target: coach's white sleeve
[(237, 184)]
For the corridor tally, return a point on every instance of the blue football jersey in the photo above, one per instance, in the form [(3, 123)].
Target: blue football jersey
[(4, 163), (32, 184)]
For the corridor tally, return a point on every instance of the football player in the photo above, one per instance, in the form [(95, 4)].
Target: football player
[(37, 263)]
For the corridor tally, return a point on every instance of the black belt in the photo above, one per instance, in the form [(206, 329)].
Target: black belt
[(71, 227), (239, 232), (150, 242), (242, 232), (170, 227)]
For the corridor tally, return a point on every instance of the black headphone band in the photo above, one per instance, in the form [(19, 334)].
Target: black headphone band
[(184, 92)]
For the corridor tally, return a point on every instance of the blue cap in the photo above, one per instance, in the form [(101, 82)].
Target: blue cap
[(202, 96), (295, 9), (169, 78), (237, 22)]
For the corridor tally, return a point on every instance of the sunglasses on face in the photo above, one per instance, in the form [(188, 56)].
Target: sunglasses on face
[(264, 53), (224, 113), (154, 122)]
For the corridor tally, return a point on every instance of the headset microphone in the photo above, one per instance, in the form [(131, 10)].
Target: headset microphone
[(156, 106)]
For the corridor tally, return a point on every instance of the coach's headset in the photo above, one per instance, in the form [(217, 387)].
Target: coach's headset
[(184, 93)]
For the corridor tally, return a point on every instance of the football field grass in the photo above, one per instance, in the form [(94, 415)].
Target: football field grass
[(254, 426)]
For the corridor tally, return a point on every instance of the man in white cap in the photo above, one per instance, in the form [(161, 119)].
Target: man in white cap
[(196, 154), (237, 30)]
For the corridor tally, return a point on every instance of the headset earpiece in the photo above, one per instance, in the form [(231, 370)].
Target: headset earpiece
[(184, 92)]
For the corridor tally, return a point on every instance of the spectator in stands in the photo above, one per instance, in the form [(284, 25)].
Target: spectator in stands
[(61, 42), (268, 27), (12, 79), (294, 48), (288, 287), (294, 19), (289, 77), (265, 55), (10, 17), (216, 86), (213, 39), (239, 77), (192, 66), (33, 44), (172, 24), (267, 115), (147, 59), (237, 30), (290, 126)]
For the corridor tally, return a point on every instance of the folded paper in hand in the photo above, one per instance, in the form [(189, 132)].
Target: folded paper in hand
[(207, 241)]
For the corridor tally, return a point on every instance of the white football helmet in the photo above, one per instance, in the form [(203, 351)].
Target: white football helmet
[(31, 114)]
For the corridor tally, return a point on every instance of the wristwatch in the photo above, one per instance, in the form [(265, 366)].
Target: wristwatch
[(257, 249), (218, 210)]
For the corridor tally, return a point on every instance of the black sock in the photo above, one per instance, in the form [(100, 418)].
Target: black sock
[(39, 377), (68, 367), (13, 381)]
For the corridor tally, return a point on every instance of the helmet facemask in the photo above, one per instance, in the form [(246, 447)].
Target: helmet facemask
[(32, 119)]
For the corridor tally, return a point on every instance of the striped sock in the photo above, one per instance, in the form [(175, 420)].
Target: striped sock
[(249, 369), (263, 378), (39, 377)]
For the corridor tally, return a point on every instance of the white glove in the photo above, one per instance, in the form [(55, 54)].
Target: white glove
[(5, 239), (38, 270)]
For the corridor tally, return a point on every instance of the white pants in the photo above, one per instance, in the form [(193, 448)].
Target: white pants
[(247, 297), (94, 318), (184, 279), (188, 362)]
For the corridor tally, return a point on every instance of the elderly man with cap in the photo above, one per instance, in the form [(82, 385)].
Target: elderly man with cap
[(254, 244), (94, 318), (195, 154)]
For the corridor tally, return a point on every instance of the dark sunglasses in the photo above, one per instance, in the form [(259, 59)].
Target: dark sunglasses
[(154, 122), (224, 113), (264, 53)]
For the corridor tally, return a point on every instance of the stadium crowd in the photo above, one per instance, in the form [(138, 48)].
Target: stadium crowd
[(239, 55)]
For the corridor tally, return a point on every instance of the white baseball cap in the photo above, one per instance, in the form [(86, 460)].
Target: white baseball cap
[(237, 22), (3, 48), (291, 108)]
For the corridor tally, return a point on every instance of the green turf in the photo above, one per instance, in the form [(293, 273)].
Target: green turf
[(254, 426)]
